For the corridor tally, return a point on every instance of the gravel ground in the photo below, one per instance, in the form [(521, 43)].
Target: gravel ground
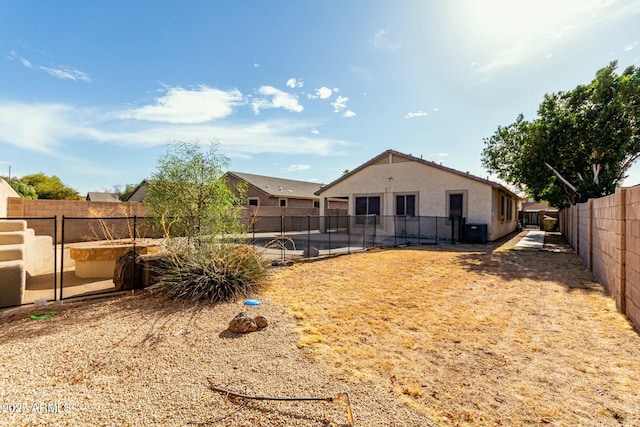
[(136, 361)]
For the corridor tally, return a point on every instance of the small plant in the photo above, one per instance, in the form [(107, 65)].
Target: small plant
[(214, 273)]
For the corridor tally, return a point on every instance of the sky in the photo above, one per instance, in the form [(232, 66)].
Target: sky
[(94, 92)]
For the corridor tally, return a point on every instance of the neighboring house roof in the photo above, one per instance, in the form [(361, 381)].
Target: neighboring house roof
[(94, 196), (279, 187), (429, 163), (139, 193)]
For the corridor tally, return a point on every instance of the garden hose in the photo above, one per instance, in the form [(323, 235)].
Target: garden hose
[(337, 398)]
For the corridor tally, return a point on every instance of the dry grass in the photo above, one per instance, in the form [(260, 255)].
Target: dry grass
[(498, 337)]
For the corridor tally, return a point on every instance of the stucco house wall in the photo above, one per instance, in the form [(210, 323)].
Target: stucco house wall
[(393, 174), (5, 192)]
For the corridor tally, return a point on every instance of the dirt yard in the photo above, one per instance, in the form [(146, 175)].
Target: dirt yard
[(420, 336), (487, 337)]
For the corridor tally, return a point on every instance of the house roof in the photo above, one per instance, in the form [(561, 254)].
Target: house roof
[(139, 193), (280, 187), (95, 196), (533, 206), (421, 161)]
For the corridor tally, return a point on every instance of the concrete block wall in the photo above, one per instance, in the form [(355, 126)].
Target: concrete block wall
[(583, 242), (75, 231), (607, 235), (608, 241), (632, 256)]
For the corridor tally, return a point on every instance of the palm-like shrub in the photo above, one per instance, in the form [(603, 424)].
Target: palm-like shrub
[(217, 272)]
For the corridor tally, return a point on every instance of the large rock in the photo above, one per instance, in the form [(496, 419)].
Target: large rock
[(242, 323), (127, 274), (261, 321)]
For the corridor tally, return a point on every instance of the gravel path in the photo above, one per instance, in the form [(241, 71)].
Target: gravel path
[(136, 361)]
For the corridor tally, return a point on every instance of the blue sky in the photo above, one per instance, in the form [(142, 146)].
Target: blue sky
[(93, 91)]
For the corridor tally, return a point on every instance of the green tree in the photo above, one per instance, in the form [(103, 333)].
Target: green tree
[(190, 194), (24, 190), (50, 187), (581, 144)]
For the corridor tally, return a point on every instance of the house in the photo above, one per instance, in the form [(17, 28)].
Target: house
[(271, 191), (394, 184), (273, 196), (94, 196)]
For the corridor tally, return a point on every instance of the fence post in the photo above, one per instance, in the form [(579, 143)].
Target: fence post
[(419, 236), (329, 231), (308, 236), (283, 246), (62, 258), (55, 257), (133, 258), (406, 234), (349, 233)]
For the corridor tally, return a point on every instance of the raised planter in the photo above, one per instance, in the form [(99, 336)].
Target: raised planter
[(98, 260)]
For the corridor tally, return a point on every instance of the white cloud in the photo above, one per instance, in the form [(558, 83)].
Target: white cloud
[(279, 99), (60, 72), (256, 65), (418, 113), (296, 168), (293, 83), (630, 46), (180, 105), (436, 109), (55, 128), (36, 127), (340, 103), (315, 131), (349, 114), (322, 93)]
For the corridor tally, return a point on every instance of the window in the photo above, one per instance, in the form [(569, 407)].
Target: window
[(316, 204), (509, 209), (455, 206), (253, 201), (283, 203), (368, 205), (406, 205)]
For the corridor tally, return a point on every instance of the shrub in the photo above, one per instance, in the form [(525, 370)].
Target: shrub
[(216, 273)]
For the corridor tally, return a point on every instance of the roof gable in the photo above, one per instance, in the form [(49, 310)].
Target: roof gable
[(392, 156)]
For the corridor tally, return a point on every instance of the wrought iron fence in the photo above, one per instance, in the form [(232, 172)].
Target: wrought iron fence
[(81, 251)]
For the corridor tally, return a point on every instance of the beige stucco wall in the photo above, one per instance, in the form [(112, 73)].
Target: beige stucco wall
[(5, 192), (431, 185)]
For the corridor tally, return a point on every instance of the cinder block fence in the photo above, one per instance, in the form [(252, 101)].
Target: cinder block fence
[(605, 233)]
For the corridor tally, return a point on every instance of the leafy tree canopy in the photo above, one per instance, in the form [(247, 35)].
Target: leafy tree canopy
[(190, 193), (25, 191), (581, 144), (50, 187)]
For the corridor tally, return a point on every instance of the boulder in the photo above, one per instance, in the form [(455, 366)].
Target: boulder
[(127, 274), (261, 322), (242, 323)]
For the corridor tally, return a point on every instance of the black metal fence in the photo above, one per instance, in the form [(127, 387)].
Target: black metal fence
[(75, 256)]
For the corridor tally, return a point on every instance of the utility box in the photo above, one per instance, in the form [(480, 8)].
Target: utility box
[(476, 233)]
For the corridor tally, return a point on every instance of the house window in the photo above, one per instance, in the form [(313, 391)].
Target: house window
[(253, 201), (283, 203), (316, 204), (455, 205), (368, 205), (509, 209), (406, 205)]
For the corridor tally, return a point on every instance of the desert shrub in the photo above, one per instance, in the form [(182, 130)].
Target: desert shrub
[(215, 273)]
